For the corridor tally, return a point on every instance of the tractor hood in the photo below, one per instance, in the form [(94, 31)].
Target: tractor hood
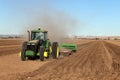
[(33, 42)]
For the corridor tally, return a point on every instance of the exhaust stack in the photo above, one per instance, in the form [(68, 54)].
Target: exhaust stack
[(28, 35)]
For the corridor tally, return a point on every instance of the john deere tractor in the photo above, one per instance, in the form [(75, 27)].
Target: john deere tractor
[(39, 46)]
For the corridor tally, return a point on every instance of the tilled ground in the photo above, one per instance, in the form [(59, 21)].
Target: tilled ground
[(10, 46), (96, 60)]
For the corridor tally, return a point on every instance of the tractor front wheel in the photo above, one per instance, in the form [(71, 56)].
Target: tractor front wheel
[(41, 52), (23, 55)]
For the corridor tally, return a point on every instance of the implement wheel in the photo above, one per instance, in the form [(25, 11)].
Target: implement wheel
[(23, 55), (55, 50)]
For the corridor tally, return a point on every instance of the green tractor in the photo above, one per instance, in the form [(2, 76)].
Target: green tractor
[(39, 46)]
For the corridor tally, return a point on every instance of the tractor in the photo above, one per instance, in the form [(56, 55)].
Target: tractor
[(39, 46)]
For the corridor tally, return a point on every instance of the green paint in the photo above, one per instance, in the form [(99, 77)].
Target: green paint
[(69, 46), (47, 43), (30, 53)]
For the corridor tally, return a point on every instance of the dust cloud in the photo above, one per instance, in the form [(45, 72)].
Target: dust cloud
[(58, 23)]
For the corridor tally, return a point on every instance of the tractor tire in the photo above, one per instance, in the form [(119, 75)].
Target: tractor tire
[(41, 52), (74, 51), (24, 47), (49, 51), (55, 53)]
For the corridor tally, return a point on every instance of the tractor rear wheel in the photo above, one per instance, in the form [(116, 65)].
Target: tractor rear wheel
[(41, 52), (49, 50), (23, 55), (55, 50)]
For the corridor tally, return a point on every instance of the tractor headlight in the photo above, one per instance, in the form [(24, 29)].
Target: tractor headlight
[(32, 44), (28, 44)]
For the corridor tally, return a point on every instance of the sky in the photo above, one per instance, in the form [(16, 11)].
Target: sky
[(92, 17)]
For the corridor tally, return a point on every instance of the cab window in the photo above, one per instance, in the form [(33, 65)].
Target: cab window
[(37, 36)]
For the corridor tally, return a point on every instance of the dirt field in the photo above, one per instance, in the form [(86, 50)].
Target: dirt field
[(94, 60), (10, 46)]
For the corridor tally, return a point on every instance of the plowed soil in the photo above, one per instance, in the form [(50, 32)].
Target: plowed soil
[(94, 60), (10, 46)]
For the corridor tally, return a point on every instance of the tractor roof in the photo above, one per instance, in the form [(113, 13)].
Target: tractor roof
[(37, 31)]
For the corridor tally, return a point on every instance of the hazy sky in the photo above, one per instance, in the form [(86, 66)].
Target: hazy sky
[(93, 17)]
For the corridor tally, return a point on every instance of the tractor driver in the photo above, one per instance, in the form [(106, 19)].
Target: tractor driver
[(39, 36)]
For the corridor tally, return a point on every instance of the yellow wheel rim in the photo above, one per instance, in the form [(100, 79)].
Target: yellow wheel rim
[(45, 54), (57, 52), (20, 54), (50, 49)]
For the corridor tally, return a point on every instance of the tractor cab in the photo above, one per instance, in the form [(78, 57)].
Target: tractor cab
[(39, 35)]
